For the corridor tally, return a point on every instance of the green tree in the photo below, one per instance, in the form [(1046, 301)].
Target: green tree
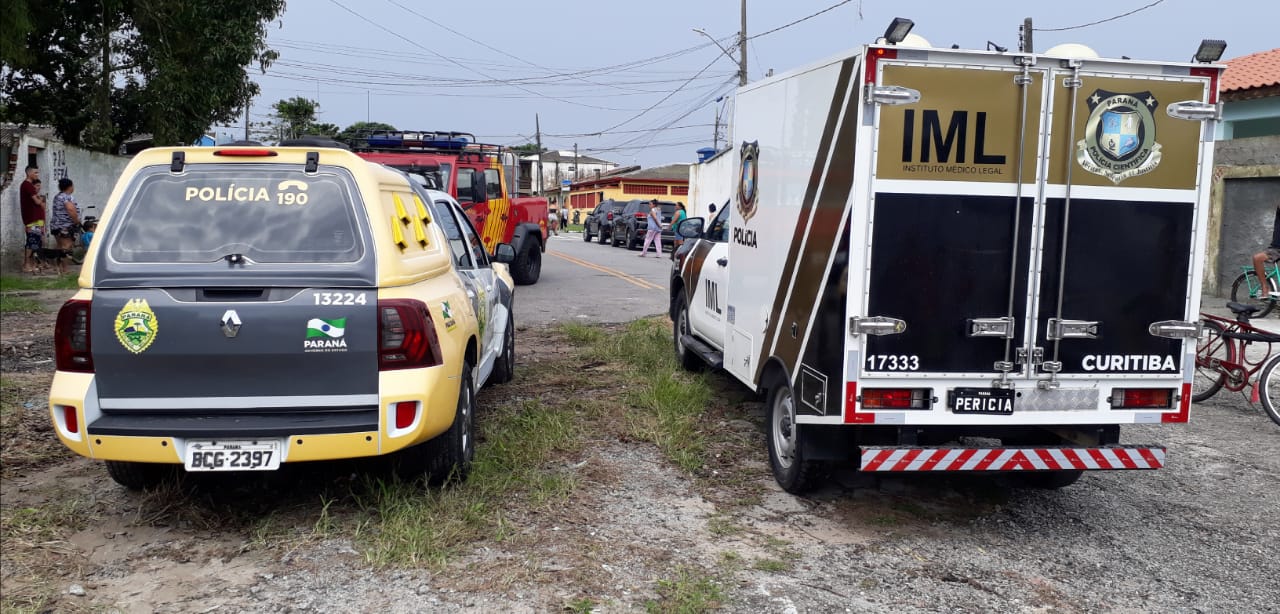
[(295, 116), (527, 149), (324, 129), (350, 132), (100, 71)]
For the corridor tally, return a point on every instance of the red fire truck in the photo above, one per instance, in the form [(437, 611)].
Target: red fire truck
[(483, 179)]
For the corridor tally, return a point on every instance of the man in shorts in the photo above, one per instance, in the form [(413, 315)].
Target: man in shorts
[(31, 202), (1270, 254)]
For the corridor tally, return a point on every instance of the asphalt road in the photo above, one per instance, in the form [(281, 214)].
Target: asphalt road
[(592, 283)]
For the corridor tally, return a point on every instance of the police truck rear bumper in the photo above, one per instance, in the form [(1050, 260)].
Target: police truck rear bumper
[(1047, 458)]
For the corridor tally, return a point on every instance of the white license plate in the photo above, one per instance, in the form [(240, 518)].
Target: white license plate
[(233, 455)]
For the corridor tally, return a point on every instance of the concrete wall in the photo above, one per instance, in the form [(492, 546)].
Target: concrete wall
[(94, 174), (1242, 199)]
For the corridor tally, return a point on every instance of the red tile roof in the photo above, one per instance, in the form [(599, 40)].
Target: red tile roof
[(1260, 69)]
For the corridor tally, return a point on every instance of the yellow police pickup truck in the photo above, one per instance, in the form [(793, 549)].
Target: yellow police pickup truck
[(249, 306)]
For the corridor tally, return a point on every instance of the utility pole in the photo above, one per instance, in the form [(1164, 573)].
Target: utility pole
[(742, 47), (537, 131), (247, 103), (716, 138), (575, 162), (368, 106), (1027, 47)]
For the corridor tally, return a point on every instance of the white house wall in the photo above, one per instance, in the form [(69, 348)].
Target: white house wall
[(94, 174)]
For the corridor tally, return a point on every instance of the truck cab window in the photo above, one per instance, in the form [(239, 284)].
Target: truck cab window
[(457, 242), (719, 230), (492, 183)]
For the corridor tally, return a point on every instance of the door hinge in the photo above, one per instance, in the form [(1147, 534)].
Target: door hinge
[(1059, 329), (1176, 329), (1034, 357), (1002, 328), (892, 94), (876, 325)]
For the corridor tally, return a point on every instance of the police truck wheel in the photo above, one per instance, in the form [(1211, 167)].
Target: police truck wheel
[(452, 452), (1049, 480), (505, 367), (786, 455), (528, 265), (139, 476), (680, 327)]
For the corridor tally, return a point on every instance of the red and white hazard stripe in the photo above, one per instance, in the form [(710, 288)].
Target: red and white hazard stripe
[(1010, 459)]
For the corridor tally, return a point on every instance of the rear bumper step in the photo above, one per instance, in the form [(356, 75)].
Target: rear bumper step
[(319, 422), (1052, 458)]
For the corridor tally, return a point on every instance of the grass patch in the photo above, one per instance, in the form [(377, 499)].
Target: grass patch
[(666, 403), (689, 592), (70, 281), (26, 435), (772, 565), (35, 550), (404, 524), (19, 304), (584, 605), (721, 526)]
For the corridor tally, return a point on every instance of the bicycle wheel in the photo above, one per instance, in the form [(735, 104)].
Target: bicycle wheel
[(1269, 388), (1211, 349), (1240, 293)]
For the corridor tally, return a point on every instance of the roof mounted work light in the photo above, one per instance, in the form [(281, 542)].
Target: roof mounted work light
[(898, 29), (1210, 51)]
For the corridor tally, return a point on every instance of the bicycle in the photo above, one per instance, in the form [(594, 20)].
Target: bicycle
[(1247, 291), (1223, 361)]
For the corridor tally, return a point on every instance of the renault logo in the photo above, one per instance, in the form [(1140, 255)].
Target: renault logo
[(230, 323)]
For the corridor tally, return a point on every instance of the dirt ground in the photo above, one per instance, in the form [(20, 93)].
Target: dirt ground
[(635, 532)]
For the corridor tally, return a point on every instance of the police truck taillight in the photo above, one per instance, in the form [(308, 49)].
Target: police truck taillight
[(406, 336), (1141, 398), (897, 398), (72, 348)]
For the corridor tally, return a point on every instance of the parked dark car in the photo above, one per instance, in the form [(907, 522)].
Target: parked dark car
[(599, 222), (629, 226)]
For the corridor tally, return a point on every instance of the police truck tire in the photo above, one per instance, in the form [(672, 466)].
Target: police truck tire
[(1240, 294), (1049, 480), (786, 454), (688, 360), (504, 367), (139, 476), (450, 454), (528, 265)]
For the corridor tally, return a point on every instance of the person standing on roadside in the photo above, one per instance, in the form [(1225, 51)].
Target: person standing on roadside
[(676, 239), (553, 222), (31, 202), (653, 232), (66, 214)]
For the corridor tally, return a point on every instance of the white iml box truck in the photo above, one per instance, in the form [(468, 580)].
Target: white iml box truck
[(955, 260)]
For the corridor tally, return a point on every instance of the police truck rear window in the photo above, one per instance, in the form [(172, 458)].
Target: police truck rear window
[(263, 216)]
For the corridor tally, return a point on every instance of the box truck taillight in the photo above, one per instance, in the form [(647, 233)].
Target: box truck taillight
[(1141, 398), (897, 398), (72, 346), (406, 336)]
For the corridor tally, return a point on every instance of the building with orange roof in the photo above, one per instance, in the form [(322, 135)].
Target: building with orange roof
[(1250, 92)]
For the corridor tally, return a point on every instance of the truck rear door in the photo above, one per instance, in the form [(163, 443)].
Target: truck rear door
[(236, 296), (1030, 219)]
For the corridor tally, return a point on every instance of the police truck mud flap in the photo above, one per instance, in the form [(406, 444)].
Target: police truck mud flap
[(902, 458)]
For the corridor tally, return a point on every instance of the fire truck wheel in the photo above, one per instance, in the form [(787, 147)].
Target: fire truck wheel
[(528, 265), (786, 454)]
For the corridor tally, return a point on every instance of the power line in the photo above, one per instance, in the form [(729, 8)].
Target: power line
[(454, 61), (1094, 23), (804, 19), (664, 98)]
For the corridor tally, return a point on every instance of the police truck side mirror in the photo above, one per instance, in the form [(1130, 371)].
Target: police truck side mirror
[(690, 228), (504, 253)]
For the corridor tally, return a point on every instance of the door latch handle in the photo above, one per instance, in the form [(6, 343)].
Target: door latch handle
[(723, 262)]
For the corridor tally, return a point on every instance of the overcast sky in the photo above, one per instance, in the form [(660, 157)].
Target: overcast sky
[(387, 61)]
